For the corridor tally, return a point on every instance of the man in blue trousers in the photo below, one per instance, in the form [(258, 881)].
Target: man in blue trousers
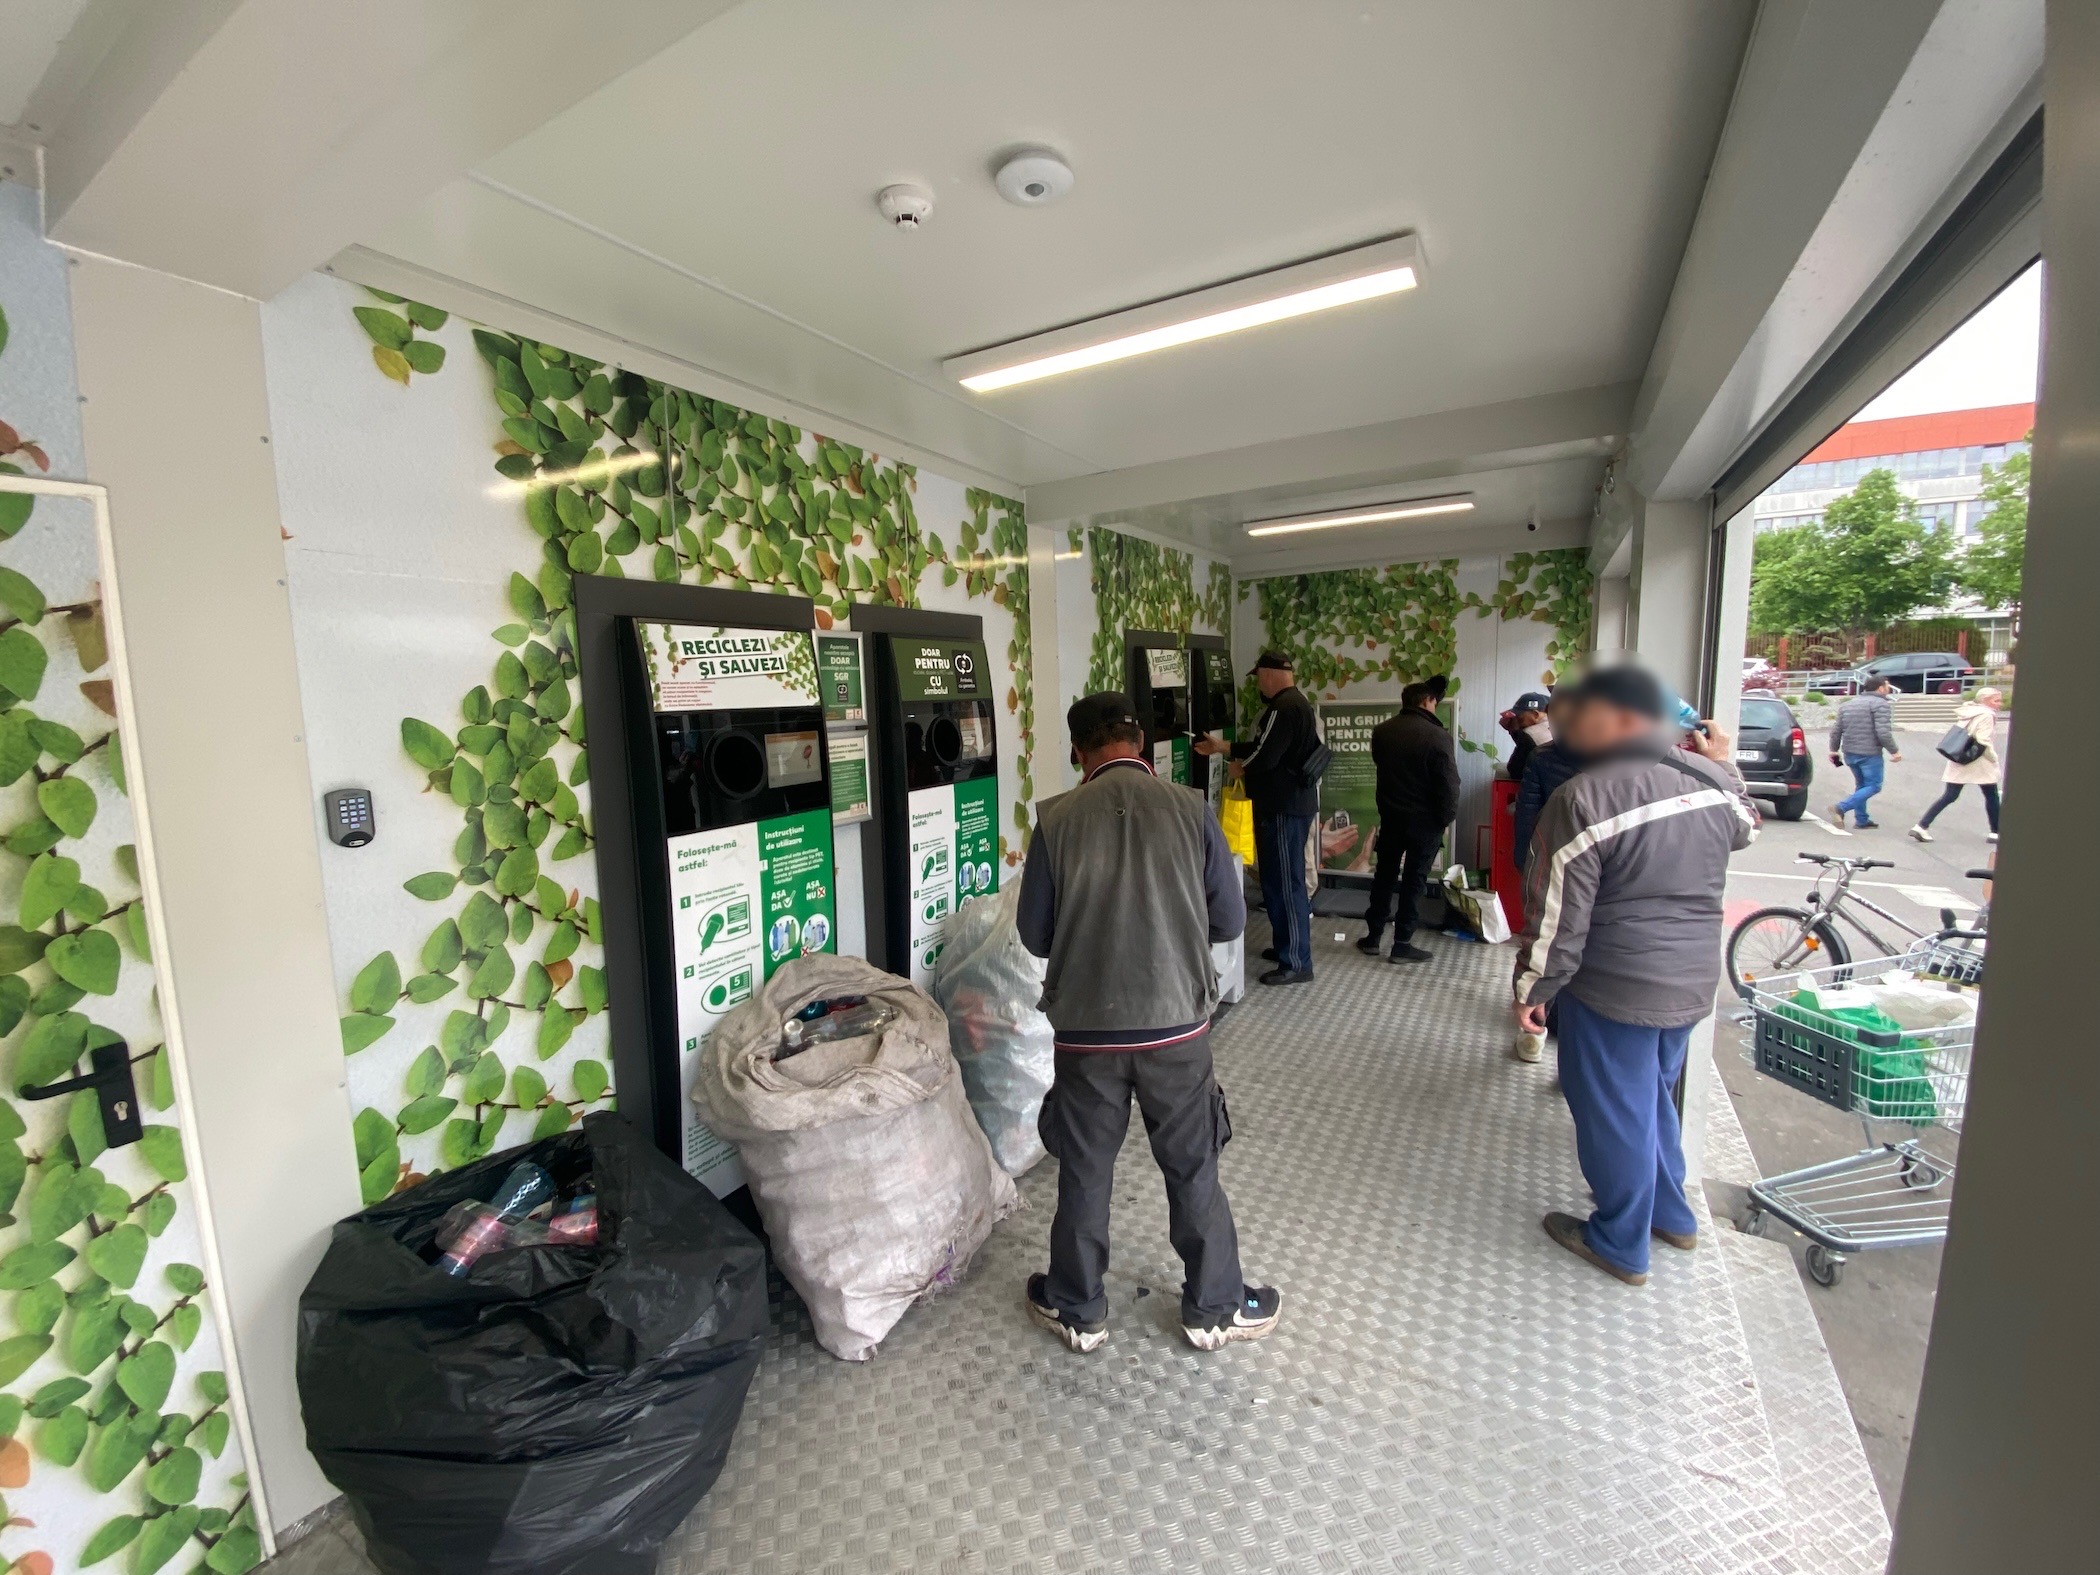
[(1622, 897), (1278, 767)]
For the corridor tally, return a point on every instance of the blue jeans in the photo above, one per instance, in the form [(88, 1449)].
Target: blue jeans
[(1279, 853), (1866, 776), (1619, 1080)]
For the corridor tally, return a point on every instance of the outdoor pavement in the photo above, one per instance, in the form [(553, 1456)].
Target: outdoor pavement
[(1877, 1320)]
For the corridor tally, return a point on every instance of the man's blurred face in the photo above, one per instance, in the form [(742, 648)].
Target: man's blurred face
[(1273, 680), (1596, 726)]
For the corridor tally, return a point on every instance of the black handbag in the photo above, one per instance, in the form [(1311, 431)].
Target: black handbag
[(1960, 745)]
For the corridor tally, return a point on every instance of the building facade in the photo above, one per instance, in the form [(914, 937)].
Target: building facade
[(1938, 459)]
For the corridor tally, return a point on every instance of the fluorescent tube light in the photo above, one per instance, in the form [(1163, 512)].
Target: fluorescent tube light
[(1413, 508), (1362, 274)]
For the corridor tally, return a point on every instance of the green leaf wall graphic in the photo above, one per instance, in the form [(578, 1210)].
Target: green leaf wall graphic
[(102, 1374), (1139, 584), (614, 474)]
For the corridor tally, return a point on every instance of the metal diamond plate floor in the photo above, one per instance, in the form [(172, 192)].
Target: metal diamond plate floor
[(1448, 1390)]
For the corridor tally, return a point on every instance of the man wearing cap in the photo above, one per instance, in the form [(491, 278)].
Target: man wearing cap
[(1622, 936), (1417, 764), (1275, 766), (1528, 729), (1128, 883)]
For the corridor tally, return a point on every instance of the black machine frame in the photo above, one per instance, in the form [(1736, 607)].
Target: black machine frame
[(884, 878), (634, 892)]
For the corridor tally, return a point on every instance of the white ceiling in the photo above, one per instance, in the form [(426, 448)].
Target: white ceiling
[(718, 201), (34, 30)]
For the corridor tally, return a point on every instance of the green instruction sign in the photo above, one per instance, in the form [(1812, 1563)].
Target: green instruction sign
[(849, 777), (840, 678), (1349, 791), (942, 670), (954, 857), (795, 885)]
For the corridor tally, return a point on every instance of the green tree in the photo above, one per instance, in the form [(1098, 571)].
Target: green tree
[(1991, 569), (1868, 563)]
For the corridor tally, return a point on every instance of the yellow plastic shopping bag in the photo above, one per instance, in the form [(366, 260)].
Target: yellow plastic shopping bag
[(1236, 815)]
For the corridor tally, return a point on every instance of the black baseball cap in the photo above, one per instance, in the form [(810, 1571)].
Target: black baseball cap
[(1274, 660), (1628, 687), (1090, 713), (1532, 700)]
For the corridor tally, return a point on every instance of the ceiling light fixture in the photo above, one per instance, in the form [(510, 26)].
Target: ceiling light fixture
[(1362, 274), (1370, 514)]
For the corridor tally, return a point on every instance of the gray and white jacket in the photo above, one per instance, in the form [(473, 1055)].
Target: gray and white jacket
[(1623, 892), (1864, 725)]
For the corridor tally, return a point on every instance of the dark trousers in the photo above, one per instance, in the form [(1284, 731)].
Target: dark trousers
[(1405, 852), (1620, 1082), (1279, 851), (1951, 791), (1085, 1116)]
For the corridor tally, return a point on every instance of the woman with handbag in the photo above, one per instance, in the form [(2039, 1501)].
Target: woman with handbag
[(1972, 756)]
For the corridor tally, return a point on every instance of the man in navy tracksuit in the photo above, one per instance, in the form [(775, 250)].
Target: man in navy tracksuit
[(1273, 764)]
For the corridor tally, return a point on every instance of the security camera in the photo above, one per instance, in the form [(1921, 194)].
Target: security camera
[(1030, 177), (1531, 525), (907, 206)]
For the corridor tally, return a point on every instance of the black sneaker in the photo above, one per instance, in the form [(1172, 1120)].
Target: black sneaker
[(1369, 946), (1406, 952), (1287, 976), (1081, 1337), (1260, 1306)]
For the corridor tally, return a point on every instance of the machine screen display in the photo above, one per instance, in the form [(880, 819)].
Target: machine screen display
[(1167, 669), (976, 729), (792, 758)]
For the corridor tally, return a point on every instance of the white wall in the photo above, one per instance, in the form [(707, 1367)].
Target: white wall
[(177, 426)]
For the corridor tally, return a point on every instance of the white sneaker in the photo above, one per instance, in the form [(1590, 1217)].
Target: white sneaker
[(1529, 1047), (1920, 834), (1990, 836)]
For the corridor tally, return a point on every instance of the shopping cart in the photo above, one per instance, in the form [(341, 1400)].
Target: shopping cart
[(1905, 1085)]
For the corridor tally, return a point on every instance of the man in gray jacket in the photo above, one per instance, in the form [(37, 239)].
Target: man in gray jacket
[(1128, 882), (1864, 726), (1623, 897)]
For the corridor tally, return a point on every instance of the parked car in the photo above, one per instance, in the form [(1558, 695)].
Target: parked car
[(1911, 672), (1772, 752), (1760, 674)]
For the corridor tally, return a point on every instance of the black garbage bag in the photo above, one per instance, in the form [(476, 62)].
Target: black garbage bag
[(559, 1409)]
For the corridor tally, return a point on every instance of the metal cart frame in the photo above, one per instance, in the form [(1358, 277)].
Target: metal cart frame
[(1897, 1191)]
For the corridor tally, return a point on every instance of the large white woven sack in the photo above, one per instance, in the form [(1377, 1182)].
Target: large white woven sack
[(875, 1183), (988, 983)]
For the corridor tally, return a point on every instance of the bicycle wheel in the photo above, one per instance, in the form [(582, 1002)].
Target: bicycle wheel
[(1782, 940)]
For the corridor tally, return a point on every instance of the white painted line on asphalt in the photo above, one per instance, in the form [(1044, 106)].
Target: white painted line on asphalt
[(1923, 896), (1835, 831)]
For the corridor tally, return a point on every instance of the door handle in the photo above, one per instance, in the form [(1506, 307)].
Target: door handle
[(114, 1087)]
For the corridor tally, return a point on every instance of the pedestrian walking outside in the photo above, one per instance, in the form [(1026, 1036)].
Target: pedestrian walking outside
[(1864, 727), (1979, 720), (1622, 938), (1417, 764), (1276, 766), (1127, 884)]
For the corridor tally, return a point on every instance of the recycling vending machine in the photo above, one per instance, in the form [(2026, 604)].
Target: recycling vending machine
[(733, 836), (936, 821), (1212, 705), (1157, 679)]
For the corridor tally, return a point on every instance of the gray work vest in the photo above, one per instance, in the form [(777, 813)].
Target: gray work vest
[(1131, 944)]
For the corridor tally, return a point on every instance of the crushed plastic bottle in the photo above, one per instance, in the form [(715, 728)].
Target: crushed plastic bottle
[(820, 1022)]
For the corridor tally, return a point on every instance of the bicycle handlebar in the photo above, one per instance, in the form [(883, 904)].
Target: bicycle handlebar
[(1850, 864)]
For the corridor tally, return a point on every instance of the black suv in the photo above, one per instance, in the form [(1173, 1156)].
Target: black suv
[(1773, 754), (1911, 672)]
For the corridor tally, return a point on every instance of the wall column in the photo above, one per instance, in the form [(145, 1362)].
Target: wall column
[(2001, 1462), (1667, 623), (177, 428)]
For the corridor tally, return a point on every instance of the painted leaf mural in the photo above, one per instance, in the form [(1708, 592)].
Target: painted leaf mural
[(115, 1437), (609, 473)]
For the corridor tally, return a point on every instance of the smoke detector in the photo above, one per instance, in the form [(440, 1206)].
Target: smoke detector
[(1031, 177), (906, 205)]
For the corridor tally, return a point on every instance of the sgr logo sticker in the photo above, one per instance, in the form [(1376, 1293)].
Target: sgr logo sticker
[(964, 666)]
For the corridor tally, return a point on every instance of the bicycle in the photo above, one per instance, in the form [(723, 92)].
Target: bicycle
[(1783, 939)]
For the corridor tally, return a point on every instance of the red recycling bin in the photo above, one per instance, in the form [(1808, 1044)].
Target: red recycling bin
[(1503, 873)]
